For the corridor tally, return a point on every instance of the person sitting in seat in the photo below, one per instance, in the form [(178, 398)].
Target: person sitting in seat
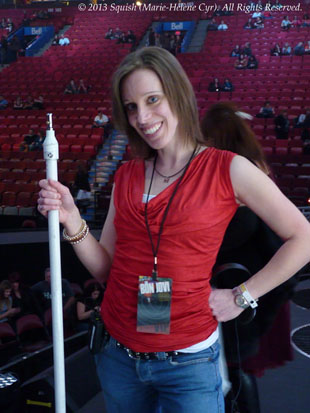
[(282, 125), (109, 34), (63, 41), (82, 88), (235, 51), (286, 49), (286, 24), (18, 103), (227, 86), (249, 24), (100, 120), (28, 104), (38, 102), (6, 310), (296, 22), (305, 20), (303, 120), (276, 50), (29, 138), (3, 102), (252, 62), (37, 144), (241, 62), (247, 49), (259, 23), (88, 305), (299, 49), (71, 88), (222, 26), (212, 25), (214, 86), (266, 111), (42, 290)]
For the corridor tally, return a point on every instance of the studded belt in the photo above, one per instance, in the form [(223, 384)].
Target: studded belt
[(144, 355)]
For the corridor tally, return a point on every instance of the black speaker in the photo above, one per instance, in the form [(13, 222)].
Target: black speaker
[(82, 385)]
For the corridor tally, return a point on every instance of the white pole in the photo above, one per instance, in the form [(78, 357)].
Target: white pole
[(50, 149)]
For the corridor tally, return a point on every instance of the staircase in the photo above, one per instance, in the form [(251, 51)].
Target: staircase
[(102, 172), (198, 37)]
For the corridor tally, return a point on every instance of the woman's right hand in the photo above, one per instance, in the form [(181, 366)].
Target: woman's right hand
[(55, 196)]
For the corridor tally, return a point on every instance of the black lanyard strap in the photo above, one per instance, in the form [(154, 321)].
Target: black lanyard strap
[(155, 250)]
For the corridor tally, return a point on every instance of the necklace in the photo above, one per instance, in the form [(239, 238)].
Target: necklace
[(166, 178)]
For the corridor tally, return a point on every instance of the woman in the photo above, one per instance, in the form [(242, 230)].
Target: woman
[(169, 207), (252, 63), (276, 50), (248, 242), (214, 86), (241, 62), (235, 51), (6, 310), (88, 304), (22, 297), (18, 103), (227, 86)]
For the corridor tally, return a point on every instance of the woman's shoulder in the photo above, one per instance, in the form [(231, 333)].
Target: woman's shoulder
[(211, 152)]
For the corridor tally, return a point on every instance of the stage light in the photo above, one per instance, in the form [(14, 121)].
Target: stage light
[(139, 3), (9, 388), (7, 379)]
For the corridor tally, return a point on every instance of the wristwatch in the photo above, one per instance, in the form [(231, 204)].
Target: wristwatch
[(240, 300), (243, 298)]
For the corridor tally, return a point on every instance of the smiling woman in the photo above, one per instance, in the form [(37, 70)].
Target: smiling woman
[(168, 214), (174, 86)]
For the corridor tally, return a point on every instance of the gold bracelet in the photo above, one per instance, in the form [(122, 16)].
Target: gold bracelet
[(82, 237), (77, 235)]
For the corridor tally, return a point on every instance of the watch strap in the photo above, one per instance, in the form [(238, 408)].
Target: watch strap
[(246, 294)]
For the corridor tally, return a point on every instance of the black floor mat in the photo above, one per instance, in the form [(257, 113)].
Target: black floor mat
[(302, 298)]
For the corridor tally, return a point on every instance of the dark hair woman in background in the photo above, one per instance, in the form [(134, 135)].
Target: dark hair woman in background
[(249, 242)]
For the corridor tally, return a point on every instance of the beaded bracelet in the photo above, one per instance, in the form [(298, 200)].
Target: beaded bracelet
[(79, 237), (83, 236)]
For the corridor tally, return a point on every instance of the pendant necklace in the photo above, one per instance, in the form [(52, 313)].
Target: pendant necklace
[(166, 178)]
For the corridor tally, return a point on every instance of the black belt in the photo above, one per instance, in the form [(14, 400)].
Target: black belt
[(143, 355)]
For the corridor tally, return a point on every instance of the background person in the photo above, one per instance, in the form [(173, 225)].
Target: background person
[(249, 242)]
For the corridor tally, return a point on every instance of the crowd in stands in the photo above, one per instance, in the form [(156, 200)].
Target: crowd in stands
[(121, 37), (216, 86), (169, 41), (20, 302), (32, 141), (246, 62), (29, 103), (286, 23), (300, 49), (7, 24), (73, 88)]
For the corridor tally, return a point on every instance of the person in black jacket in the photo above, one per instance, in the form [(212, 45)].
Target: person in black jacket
[(282, 125)]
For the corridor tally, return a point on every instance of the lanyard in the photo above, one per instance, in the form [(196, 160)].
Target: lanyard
[(155, 250)]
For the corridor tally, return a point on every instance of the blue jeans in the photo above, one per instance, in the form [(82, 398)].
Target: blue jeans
[(179, 384)]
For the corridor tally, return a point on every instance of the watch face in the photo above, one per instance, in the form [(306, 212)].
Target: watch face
[(240, 301)]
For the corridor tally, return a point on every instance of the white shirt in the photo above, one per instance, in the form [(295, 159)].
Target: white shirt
[(64, 41), (101, 119), (222, 27)]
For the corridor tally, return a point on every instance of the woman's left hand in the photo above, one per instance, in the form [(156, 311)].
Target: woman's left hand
[(223, 305)]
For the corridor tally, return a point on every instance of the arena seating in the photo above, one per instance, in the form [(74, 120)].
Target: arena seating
[(282, 80)]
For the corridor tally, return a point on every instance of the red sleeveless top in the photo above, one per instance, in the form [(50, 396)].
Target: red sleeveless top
[(193, 231)]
